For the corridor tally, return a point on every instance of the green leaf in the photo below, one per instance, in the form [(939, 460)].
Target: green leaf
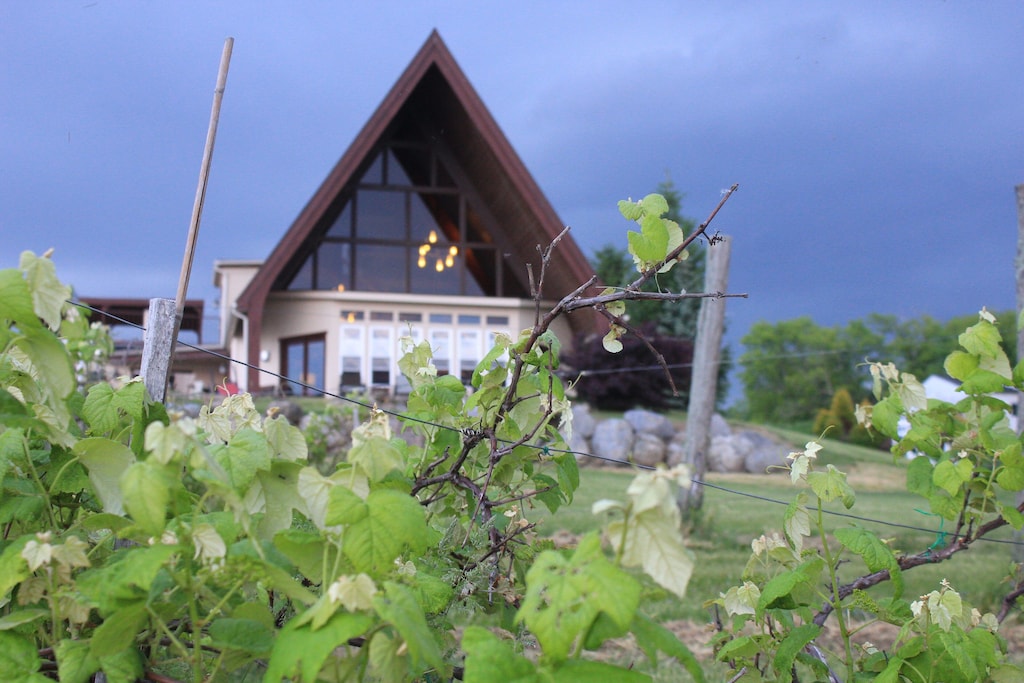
[(398, 605), (50, 356), (75, 661), (16, 301), (20, 617), (960, 365), (13, 567), (565, 595), (831, 485), (490, 659), (652, 637), (107, 461), (276, 495), (126, 578), (48, 294), (650, 245), (18, 656), (919, 477), (246, 635), (1012, 515), (394, 521), (300, 652), (791, 645), (885, 416), (582, 670), (146, 495), (344, 506), (245, 454), (951, 476), (124, 667), (118, 631), (377, 457), (876, 554), (286, 440), (981, 339), (655, 542)]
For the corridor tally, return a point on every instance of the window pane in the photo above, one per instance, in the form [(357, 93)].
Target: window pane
[(342, 226), (431, 274), (333, 269), (396, 174), (441, 318), (497, 320), (304, 278), (410, 317), (374, 175), (315, 365), (465, 319), (380, 215), (415, 162), (380, 268)]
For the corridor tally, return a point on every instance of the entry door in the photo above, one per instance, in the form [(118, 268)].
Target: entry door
[(302, 359)]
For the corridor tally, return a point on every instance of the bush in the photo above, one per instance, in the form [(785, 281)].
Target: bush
[(631, 378)]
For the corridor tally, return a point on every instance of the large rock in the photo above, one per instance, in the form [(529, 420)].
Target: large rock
[(719, 427), (580, 446), (764, 454), (648, 450), (675, 453), (728, 453), (613, 440), (647, 422), (583, 423)]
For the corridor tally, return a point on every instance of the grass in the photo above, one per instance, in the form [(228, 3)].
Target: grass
[(729, 521)]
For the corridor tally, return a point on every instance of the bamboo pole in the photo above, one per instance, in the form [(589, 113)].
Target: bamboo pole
[(204, 175)]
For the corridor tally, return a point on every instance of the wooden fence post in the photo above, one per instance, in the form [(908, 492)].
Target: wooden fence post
[(158, 347), (704, 376)]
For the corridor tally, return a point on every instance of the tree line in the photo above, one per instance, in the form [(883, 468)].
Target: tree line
[(792, 369)]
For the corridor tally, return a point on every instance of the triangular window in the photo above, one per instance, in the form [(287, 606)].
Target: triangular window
[(405, 226)]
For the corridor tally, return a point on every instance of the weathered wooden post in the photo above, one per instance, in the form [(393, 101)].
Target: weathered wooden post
[(704, 377)]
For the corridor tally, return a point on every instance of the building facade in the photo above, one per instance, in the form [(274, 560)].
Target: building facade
[(424, 228)]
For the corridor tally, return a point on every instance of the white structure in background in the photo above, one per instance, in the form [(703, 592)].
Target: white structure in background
[(945, 389)]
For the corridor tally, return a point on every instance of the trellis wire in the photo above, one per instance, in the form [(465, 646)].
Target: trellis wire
[(546, 449)]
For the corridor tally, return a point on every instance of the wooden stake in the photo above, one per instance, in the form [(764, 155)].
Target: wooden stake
[(704, 377), (157, 347), (204, 175)]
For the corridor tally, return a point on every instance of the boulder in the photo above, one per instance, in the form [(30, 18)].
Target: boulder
[(647, 422), (728, 453), (719, 427), (648, 450), (613, 440), (583, 423), (580, 446), (764, 453), (675, 453)]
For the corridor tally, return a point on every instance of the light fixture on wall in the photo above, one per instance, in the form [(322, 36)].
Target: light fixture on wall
[(264, 356)]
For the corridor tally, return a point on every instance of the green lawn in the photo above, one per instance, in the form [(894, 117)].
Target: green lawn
[(729, 522)]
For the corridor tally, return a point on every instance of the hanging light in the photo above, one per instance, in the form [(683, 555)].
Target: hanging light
[(432, 237), (453, 250), (449, 260), (421, 261), (439, 266)]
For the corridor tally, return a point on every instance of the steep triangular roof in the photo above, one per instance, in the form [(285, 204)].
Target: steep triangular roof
[(433, 85)]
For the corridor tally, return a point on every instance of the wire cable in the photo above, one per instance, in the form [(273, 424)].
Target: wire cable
[(545, 449)]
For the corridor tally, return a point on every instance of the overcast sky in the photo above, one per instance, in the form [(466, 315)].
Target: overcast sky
[(876, 144)]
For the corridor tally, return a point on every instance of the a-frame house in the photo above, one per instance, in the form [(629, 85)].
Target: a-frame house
[(423, 227)]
